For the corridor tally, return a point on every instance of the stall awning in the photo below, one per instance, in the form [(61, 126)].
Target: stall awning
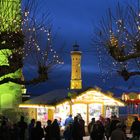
[(93, 96), (88, 96)]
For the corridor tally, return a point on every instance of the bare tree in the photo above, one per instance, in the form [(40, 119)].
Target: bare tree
[(117, 40), (21, 31)]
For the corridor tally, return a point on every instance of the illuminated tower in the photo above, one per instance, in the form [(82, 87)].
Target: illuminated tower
[(10, 17), (76, 81)]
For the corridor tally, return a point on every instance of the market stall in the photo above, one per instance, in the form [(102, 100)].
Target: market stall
[(89, 103), (132, 101)]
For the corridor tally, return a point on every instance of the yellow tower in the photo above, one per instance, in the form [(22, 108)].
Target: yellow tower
[(76, 81)]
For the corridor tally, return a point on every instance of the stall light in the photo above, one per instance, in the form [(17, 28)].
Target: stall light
[(139, 96), (72, 100), (97, 96), (63, 104), (123, 96), (35, 106), (126, 97), (105, 97)]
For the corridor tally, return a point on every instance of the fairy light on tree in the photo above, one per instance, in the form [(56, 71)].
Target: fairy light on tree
[(20, 32), (117, 41), (22, 38)]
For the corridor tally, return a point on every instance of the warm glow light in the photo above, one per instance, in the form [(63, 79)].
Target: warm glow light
[(94, 96), (125, 97), (63, 104), (35, 106), (139, 96), (113, 40)]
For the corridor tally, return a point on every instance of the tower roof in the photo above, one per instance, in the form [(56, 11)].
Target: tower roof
[(75, 47)]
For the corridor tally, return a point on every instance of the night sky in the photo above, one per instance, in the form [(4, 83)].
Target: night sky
[(74, 20)]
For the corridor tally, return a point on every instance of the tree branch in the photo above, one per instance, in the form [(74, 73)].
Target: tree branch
[(126, 75), (119, 56), (128, 57), (4, 70), (15, 63), (11, 40), (39, 79)]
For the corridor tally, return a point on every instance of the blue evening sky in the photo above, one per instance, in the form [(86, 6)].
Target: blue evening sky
[(74, 20)]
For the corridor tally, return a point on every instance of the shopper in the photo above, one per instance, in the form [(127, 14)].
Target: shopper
[(48, 130), (68, 132), (135, 128), (55, 130), (76, 130), (107, 128), (90, 125), (69, 120), (37, 132), (118, 133), (22, 127), (30, 128), (97, 131)]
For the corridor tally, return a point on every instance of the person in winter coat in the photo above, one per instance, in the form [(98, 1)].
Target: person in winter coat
[(135, 128), (30, 127), (48, 131), (55, 130), (114, 121), (76, 130), (22, 126), (90, 125), (97, 131), (107, 128), (82, 124), (118, 133), (37, 132), (68, 132)]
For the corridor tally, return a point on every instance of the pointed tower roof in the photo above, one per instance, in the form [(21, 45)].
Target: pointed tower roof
[(75, 47)]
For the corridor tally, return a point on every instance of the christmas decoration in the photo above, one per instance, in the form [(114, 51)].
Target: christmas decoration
[(117, 41), (20, 31)]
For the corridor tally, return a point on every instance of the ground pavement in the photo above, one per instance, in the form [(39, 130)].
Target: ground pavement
[(88, 138), (84, 138)]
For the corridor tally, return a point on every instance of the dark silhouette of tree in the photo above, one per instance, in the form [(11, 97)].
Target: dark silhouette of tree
[(117, 40), (26, 38)]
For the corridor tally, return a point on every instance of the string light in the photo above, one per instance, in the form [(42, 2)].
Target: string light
[(29, 30)]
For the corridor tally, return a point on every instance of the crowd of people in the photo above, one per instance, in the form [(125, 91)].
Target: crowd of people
[(113, 129), (102, 129)]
